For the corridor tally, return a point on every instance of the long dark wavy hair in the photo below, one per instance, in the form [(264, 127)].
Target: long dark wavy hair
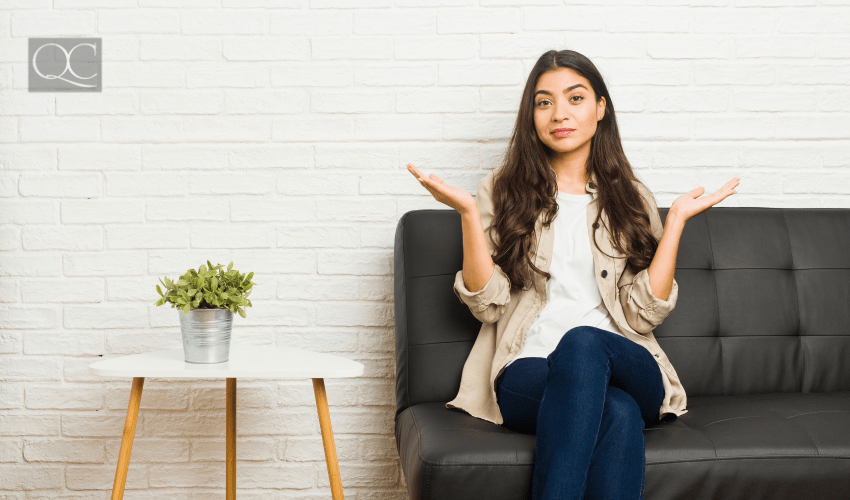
[(526, 185)]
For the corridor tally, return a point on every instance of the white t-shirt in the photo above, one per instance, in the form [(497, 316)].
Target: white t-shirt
[(573, 295)]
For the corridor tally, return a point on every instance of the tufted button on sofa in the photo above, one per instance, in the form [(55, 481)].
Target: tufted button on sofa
[(760, 339)]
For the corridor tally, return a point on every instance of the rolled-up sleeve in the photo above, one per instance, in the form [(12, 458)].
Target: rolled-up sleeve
[(643, 310), (489, 303)]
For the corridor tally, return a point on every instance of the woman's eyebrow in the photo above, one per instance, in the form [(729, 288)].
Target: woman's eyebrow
[(565, 90)]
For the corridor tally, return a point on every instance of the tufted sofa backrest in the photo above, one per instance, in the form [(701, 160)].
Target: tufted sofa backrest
[(764, 303)]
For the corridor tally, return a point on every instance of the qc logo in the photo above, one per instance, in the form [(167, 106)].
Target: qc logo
[(64, 64)]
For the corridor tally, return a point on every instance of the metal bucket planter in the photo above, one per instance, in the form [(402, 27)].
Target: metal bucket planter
[(206, 335)]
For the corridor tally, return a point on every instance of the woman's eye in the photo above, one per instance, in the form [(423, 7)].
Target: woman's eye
[(571, 98)]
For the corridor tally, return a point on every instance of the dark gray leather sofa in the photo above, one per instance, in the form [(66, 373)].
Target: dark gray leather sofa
[(760, 338)]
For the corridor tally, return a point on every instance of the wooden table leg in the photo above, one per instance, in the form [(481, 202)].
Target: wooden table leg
[(231, 439), (327, 437), (127, 439)]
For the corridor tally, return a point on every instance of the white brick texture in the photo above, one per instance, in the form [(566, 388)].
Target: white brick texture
[(275, 134)]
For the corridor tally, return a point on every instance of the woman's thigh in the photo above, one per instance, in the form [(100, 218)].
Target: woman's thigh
[(632, 367), (519, 390)]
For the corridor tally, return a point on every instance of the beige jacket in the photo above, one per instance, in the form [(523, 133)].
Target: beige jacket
[(507, 315)]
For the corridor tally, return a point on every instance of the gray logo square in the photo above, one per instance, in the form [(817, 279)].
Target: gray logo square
[(64, 64)]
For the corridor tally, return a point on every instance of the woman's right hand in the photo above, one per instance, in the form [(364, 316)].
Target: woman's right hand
[(446, 194)]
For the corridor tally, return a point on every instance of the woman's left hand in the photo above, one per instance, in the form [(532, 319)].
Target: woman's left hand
[(689, 204)]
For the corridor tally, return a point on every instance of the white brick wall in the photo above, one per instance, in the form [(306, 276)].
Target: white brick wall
[(275, 134)]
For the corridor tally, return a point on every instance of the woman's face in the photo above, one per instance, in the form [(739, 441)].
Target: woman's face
[(565, 99)]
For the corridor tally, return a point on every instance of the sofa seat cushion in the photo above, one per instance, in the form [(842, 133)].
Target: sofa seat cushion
[(448, 454), (777, 446)]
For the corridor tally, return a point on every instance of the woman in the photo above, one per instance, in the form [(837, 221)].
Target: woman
[(566, 349)]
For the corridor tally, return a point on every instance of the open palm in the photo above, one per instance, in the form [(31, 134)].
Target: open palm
[(447, 194), (690, 203)]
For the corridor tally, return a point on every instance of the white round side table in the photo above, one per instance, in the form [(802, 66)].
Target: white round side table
[(246, 361)]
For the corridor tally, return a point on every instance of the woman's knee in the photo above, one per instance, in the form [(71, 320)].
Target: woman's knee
[(581, 340)]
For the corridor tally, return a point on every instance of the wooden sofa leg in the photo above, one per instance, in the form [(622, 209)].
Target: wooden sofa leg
[(127, 439)]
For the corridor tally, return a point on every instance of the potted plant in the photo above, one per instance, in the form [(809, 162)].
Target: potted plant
[(206, 300)]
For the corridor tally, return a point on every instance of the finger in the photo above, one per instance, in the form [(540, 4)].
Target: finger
[(427, 184), (728, 188), (425, 180), (434, 190), (424, 183), (696, 192), (723, 194), (415, 171), (731, 184)]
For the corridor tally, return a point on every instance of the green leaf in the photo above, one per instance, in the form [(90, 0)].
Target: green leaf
[(207, 288)]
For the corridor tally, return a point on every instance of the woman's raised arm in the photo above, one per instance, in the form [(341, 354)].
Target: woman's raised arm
[(478, 265), (681, 210), (481, 284), (649, 296)]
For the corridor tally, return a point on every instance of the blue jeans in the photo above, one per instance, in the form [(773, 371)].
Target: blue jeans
[(588, 403)]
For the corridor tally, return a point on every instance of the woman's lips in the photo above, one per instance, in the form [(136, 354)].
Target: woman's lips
[(563, 133)]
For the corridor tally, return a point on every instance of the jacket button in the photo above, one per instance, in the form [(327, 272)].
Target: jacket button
[(595, 225), (604, 273)]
